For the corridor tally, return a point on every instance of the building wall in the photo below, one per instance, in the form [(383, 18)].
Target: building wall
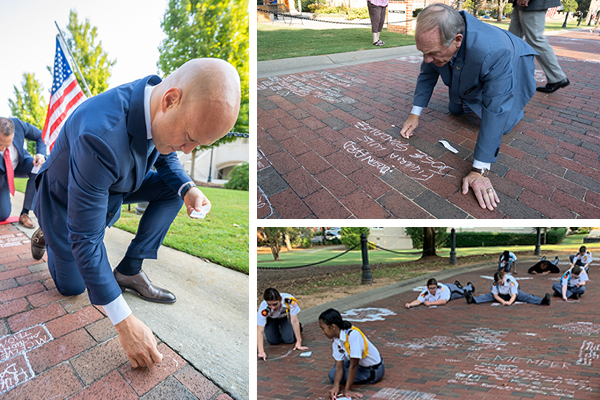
[(390, 238), (227, 155)]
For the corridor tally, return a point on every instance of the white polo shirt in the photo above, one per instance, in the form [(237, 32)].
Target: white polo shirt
[(357, 347)]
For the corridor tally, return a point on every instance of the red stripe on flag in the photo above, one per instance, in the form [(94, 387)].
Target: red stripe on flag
[(66, 113)]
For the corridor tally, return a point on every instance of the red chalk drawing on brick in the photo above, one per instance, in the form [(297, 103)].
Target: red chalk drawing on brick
[(323, 85), (13, 239), (23, 341), (14, 372)]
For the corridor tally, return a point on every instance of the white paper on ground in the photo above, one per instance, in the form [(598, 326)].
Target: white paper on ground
[(201, 214), (448, 146), (306, 354)]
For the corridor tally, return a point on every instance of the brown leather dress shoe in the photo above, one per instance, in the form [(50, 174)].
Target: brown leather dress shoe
[(38, 244), (26, 221), (141, 285)]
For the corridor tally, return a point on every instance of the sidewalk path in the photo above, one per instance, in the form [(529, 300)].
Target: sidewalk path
[(456, 351), (325, 140), (55, 347)]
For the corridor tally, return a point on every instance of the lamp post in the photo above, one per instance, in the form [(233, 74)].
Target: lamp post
[(367, 277), (453, 248)]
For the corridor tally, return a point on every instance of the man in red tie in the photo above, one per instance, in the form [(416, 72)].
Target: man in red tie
[(17, 162)]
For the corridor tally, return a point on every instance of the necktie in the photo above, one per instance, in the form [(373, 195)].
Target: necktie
[(10, 172)]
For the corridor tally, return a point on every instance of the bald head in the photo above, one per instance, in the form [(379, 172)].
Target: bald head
[(195, 105)]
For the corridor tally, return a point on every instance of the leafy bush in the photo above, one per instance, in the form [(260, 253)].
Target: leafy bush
[(489, 239), (351, 236), (307, 3), (416, 12), (358, 13), (306, 243), (239, 178), (416, 234)]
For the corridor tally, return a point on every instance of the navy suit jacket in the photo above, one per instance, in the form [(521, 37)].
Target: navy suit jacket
[(493, 74), (101, 155), (23, 131)]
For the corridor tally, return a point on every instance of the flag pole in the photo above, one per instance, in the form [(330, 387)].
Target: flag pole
[(63, 43)]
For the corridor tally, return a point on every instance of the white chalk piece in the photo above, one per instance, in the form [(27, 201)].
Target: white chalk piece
[(448, 146), (201, 214), (344, 398), (432, 306), (36, 169), (306, 354)]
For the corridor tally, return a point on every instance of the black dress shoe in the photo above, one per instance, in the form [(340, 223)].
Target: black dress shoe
[(458, 285), (469, 297), (473, 286), (141, 285), (553, 87), (38, 244), (546, 300)]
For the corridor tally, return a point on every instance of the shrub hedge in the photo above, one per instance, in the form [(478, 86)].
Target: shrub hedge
[(479, 239)]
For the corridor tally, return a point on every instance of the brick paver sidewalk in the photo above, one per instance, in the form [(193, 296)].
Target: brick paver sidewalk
[(459, 351), (329, 145), (56, 347)]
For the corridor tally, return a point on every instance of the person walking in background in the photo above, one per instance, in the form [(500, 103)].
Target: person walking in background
[(528, 20), (357, 360), (277, 320), (19, 163), (377, 12)]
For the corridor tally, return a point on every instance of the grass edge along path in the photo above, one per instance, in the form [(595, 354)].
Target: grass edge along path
[(275, 42), (306, 256)]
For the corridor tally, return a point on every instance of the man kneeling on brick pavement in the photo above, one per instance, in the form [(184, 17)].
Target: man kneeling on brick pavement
[(19, 163), (102, 159), (572, 284), (489, 71)]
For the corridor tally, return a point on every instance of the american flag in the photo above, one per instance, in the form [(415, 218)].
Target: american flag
[(66, 96), (551, 12)]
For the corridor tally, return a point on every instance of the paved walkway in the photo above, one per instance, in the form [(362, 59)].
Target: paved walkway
[(56, 347), (329, 144), (457, 351)]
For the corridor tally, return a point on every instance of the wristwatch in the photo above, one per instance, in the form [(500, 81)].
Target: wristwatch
[(481, 171), (186, 188)]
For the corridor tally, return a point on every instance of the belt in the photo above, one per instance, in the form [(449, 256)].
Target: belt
[(374, 367)]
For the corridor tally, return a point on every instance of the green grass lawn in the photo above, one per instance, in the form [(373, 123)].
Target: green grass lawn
[(550, 26), (222, 237), (274, 43), (298, 257)]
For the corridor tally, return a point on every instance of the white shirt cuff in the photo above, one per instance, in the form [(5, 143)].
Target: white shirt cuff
[(181, 187), (117, 310), (481, 165), (416, 110)]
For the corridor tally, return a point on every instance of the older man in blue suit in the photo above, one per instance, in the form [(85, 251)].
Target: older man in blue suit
[(13, 133), (102, 158), (488, 71)]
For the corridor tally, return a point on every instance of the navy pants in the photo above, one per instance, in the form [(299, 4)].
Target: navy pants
[(364, 375), (521, 296), (571, 290), (279, 330), (164, 204), (458, 293), (23, 170)]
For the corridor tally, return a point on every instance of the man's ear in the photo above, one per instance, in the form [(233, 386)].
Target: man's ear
[(171, 99), (458, 39)]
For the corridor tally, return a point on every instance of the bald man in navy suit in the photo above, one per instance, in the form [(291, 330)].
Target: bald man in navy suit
[(13, 133), (102, 159)]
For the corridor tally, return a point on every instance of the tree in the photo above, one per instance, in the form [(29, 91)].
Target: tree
[(29, 104), (272, 237), (427, 239), (208, 28), (91, 58), (501, 5), (569, 6)]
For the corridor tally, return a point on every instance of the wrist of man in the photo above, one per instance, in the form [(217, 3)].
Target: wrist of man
[(186, 188)]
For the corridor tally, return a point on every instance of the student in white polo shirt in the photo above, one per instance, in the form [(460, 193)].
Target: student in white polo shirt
[(583, 259), (357, 360), (572, 283), (438, 294), (277, 319), (505, 290)]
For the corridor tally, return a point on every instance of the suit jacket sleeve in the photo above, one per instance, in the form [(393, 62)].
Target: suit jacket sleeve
[(93, 169), (171, 171), (497, 102), (426, 82), (32, 133)]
